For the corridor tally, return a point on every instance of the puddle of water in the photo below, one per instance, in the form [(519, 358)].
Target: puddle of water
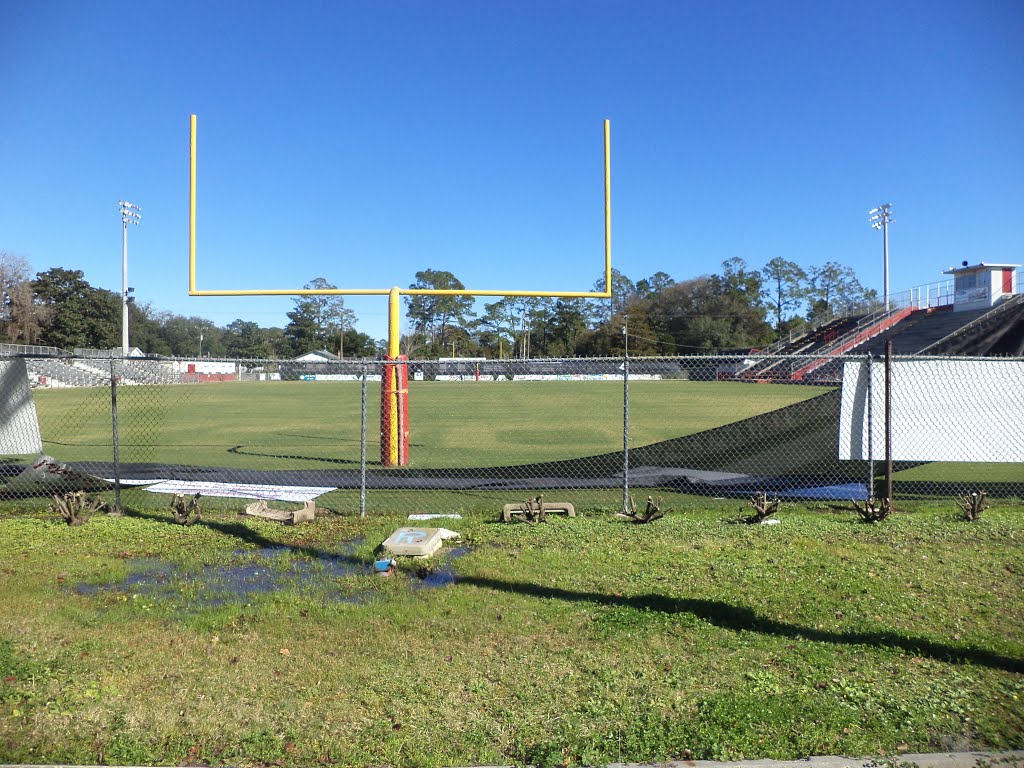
[(247, 574), (147, 574), (444, 574)]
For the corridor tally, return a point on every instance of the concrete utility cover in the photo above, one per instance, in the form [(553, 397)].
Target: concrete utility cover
[(415, 542)]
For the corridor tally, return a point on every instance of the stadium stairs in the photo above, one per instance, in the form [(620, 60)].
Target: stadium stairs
[(868, 328), (941, 331), (771, 368), (823, 343), (923, 329), (997, 332)]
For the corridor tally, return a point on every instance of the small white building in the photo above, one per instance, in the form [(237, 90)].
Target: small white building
[(982, 285), (320, 356)]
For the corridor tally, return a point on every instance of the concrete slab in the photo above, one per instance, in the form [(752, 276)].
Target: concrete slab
[(414, 542), (288, 517), (543, 507)]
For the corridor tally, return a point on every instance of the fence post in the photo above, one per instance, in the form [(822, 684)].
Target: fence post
[(116, 439), (625, 420), (888, 420), (362, 449), (871, 429)]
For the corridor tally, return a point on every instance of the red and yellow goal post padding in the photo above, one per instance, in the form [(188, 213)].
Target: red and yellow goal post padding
[(394, 411)]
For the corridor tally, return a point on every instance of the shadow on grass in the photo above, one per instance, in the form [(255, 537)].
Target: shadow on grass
[(247, 535), (715, 612), (240, 451), (737, 618)]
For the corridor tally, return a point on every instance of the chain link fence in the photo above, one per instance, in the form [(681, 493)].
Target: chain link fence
[(483, 433)]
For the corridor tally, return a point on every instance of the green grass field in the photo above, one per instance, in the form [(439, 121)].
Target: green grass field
[(132, 641), (303, 425), (315, 425)]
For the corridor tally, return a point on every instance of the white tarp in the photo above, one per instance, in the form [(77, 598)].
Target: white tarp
[(19, 424), (942, 410), (240, 490)]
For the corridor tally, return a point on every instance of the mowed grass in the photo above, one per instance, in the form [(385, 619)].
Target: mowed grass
[(316, 425), (581, 641)]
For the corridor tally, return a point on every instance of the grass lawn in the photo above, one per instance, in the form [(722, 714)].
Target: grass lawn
[(316, 425), (309, 425), (589, 640)]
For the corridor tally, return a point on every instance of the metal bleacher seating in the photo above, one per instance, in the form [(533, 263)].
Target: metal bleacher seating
[(149, 372), (779, 364), (59, 373), (920, 330)]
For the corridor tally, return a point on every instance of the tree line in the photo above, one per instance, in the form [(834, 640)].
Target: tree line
[(735, 308), (59, 308)]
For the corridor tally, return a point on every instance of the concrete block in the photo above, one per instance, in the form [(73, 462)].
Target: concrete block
[(415, 542)]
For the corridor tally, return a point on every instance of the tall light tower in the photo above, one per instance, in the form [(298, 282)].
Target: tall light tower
[(880, 218), (130, 214)]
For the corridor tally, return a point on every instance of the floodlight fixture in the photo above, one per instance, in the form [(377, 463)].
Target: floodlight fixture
[(130, 213)]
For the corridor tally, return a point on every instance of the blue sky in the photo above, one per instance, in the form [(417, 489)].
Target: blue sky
[(363, 141)]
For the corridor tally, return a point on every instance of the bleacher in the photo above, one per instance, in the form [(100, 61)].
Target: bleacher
[(920, 330), (430, 370), (779, 365), (932, 331), (59, 373), (148, 372), (999, 332)]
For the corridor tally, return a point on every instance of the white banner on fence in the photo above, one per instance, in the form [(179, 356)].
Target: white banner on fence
[(942, 410), (19, 424)]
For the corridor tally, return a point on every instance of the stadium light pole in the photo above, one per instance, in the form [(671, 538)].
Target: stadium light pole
[(130, 214), (880, 218)]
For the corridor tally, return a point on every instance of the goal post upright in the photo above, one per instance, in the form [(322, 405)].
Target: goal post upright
[(394, 392), (394, 373)]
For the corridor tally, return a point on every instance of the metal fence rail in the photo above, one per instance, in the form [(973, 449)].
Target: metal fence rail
[(484, 433)]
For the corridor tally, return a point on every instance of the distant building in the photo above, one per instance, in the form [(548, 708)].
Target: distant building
[(107, 353), (322, 356), (982, 285)]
